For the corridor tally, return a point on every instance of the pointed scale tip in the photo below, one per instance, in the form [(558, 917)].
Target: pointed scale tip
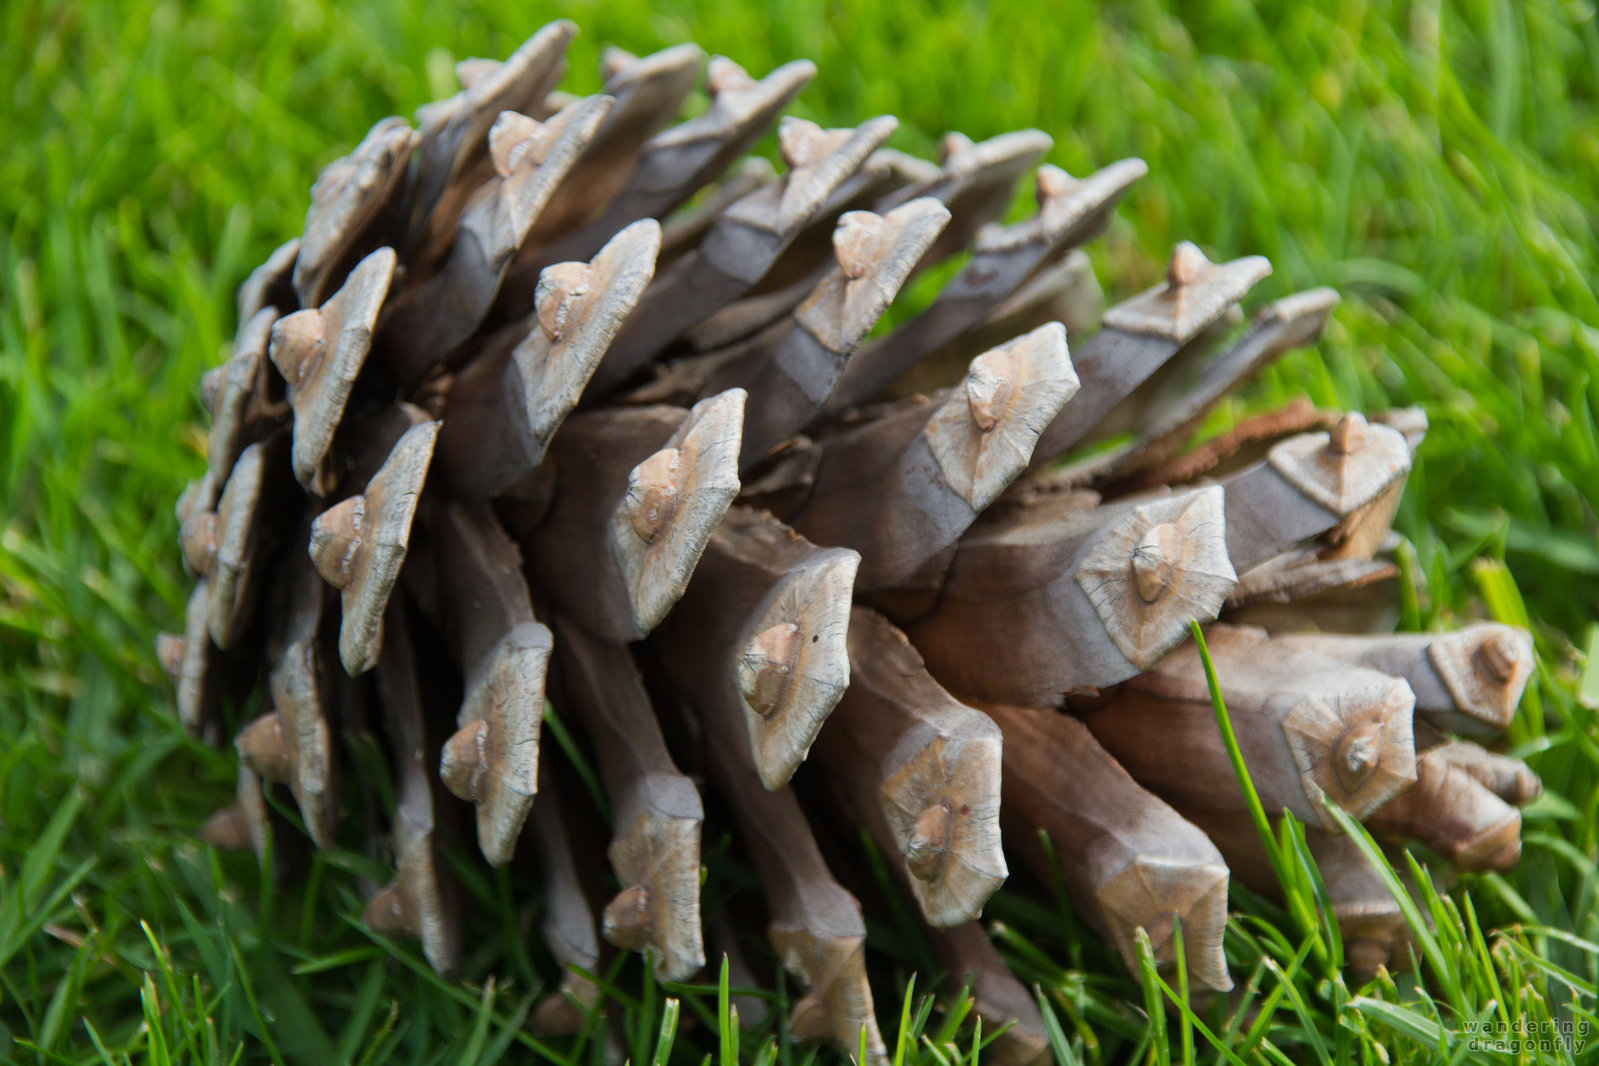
[(767, 666), (227, 830), (1346, 468), (335, 538), (628, 920), (929, 842), (389, 913), (170, 649), (1348, 437), (723, 75), (298, 340), (262, 748), (1156, 559), (463, 763), (653, 488), (561, 287), (515, 142)]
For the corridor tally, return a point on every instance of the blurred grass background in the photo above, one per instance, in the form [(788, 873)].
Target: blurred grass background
[(1438, 163)]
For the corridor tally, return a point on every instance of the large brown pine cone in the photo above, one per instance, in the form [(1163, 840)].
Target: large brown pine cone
[(556, 400)]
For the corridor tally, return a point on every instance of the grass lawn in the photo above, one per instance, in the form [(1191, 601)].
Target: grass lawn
[(1436, 162)]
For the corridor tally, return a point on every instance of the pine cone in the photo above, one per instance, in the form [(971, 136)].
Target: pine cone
[(554, 399)]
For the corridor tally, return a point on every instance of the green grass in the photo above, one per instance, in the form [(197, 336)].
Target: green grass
[(1439, 164)]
